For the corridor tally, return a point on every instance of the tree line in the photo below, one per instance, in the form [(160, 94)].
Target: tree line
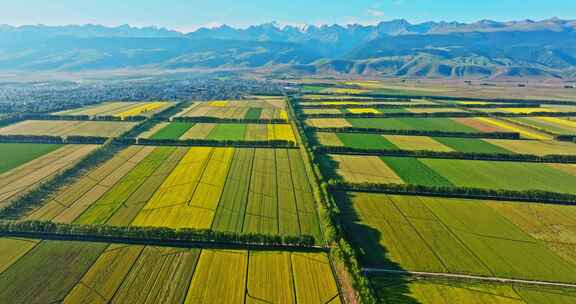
[(285, 144), (437, 114), (430, 133), (552, 158), (571, 138), (160, 234), (10, 119), (47, 139), (82, 117), (331, 223), (39, 194), (167, 113), (452, 98), (367, 99), (417, 105), (538, 196), (206, 119)]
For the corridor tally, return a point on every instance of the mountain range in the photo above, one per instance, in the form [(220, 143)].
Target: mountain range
[(484, 49)]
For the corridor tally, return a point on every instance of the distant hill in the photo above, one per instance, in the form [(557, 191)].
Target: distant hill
[(485, 49)]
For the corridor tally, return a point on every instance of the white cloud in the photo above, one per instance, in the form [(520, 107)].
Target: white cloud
[(375, 13)]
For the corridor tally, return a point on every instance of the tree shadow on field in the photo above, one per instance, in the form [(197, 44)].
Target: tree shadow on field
[(329, 167), (390, 288)]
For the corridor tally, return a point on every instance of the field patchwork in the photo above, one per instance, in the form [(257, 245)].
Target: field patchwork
[(101, 273), (20, 180)]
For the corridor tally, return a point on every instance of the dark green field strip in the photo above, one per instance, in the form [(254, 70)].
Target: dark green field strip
[(505, 175), (312, 88), (14, 155), (391, 110), (471, 145), (230, 131), (232, 208), (101, 211), (253, 113), (173, 130), (413, 171), (429, 124), (365, 141), (48, 272)]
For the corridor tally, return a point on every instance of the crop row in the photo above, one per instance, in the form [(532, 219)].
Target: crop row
[(225, 189), (79, 272)]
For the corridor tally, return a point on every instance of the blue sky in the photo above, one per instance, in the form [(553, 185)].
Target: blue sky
[(187, 15)]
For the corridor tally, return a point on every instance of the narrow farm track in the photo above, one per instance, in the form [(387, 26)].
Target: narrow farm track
[(468, 277)]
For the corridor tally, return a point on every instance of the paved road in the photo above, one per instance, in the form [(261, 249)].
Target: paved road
[(468, 277)]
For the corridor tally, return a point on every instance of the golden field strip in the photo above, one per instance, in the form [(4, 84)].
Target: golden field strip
[(78, 272), (225, 189), (21, 179), (68, 128), (119, 109)]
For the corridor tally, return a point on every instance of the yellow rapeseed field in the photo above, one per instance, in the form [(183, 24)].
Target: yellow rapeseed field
[(363, 111), (527, 110), (313, 270), (513, 128), (141, 109), (220, 277), (472, 103), (219, 103), (349, 91), (559, 121), (373, 85), (281, 132), (164, 209)]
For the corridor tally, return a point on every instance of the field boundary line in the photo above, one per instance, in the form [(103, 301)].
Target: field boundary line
[(499, 157), (454, 98), (468, 277), (249, 189), (301, 137), (294, 192), (162, 242), (433, 133), (449, 194), (228, 170), (439, 115)]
